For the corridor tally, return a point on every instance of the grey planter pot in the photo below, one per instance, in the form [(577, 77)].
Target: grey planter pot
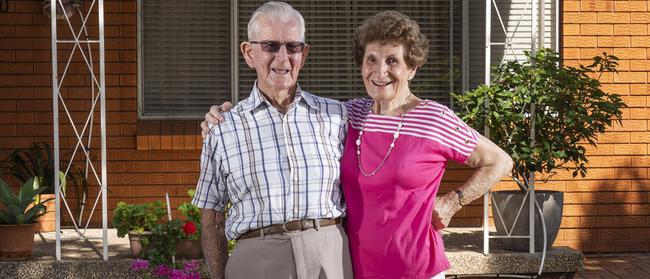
[(508, 203)]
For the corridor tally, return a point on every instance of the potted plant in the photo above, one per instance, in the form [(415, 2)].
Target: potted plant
[(68, 10), (17, 217), (137, 220), (37, 162), (189, 245), (541, 114)]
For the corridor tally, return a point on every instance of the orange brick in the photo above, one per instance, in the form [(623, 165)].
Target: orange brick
[(614, 185), (641, 161), (630, 149), (630, 29), (639, 209), (594, 197), (640, 137), (640, 233), (589, 53), (598, 29), (634, 101), (573, 234), (149, 166), (571, 6), (638, 89), (613, 209), (182, 166), (630, 53), (621, 89), (580, 210), (613, 233), (640, 41), (611, 18), (571, 53), (630, 221), (572, 198), (593, 5), (629, 6), (639, 65), (640, 113), (639, 17), (614, 137), (601, 149), (164, 178), (579, 41), (615, 41), (596, 222), (570, 222), (571, 29), (580, 17), (612, 161), (632, 197)]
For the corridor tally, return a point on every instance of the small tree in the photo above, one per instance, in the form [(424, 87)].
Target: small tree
[(566, 105)]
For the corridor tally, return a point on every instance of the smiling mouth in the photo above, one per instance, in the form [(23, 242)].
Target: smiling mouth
[(381, 83), (280, 71)]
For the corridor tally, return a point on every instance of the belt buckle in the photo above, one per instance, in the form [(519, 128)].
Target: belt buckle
[(284, 226)]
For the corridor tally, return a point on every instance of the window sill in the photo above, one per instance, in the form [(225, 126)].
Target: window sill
[(169, 135)]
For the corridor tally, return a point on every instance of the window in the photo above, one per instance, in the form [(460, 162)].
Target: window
[(186, 49)]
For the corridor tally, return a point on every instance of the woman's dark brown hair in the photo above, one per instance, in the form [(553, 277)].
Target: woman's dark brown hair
[(394, 28)]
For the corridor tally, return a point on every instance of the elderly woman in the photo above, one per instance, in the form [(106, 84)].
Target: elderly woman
[(395, 154)]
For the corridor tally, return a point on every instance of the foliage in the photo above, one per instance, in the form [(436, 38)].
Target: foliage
[(192, 216), (35, 162), (567, 104), (160, 246), (20, 209), (186, 270), (137, 217)]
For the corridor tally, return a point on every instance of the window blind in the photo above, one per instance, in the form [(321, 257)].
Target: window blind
[(330, 70), (185, 57)]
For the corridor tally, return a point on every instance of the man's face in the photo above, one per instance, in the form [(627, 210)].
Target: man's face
[(276, 72)]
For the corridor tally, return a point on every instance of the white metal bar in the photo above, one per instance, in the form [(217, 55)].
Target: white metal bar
[(102, 92), (531, 179), (77, 41), (488, 39), (55, 127)]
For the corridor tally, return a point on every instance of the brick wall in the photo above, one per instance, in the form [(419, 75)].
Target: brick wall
[(25, 104), (607, 211)]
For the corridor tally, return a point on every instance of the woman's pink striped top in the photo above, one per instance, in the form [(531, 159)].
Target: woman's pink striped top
[(389, 214)]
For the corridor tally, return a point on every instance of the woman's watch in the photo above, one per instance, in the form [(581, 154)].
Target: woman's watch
[(462, 199)]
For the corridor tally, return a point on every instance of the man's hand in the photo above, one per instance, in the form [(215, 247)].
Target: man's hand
[(214, 117), (446, 207)]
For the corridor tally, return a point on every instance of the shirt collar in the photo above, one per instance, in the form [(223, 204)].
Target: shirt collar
[(257, 99)]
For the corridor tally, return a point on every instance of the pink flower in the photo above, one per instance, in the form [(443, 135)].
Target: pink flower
[(139, 265), (162, 271), (189, 228)]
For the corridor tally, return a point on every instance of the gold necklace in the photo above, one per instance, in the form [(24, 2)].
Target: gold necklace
[(392, 144)]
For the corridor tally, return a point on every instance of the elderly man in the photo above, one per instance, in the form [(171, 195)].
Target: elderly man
[(275, 160)]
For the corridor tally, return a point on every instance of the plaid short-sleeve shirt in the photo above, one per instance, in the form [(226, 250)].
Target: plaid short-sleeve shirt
[(274, 167)]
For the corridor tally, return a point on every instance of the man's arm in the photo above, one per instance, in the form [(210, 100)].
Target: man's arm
[(491, 164), (215, 245)]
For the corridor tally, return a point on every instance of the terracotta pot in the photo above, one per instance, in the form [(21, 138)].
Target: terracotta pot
[(189, 249), (47, 222), (16, 242), (134, 241)]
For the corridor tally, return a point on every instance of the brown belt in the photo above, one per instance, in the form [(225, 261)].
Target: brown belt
[(291, 226)]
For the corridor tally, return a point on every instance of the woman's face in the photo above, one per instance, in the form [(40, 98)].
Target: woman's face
[(385, 73)]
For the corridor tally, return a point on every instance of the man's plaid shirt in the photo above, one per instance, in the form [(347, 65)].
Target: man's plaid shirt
[(272, 167)]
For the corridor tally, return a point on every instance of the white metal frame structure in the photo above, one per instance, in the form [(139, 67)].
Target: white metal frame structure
[(97, 95), (537, 27)]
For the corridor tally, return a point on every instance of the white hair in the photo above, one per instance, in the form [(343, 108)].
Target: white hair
[(276, 11)]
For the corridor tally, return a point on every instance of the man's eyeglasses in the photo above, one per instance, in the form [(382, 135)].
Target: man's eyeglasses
[(274, 46)]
